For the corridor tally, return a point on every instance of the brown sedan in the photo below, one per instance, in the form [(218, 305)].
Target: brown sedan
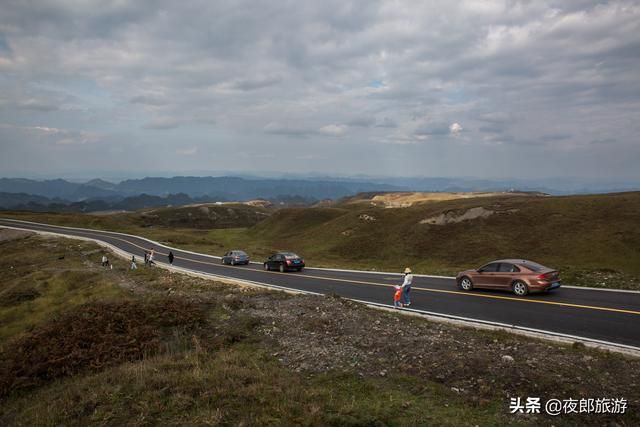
[(517, 275)]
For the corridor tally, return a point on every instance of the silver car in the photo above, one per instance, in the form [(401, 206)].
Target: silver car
[(235, 257)]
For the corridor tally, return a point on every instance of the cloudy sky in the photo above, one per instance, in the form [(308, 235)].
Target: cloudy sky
[(396, 88)]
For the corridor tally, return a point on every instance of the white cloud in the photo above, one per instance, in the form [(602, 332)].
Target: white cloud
[(455, 129), (58, 136)]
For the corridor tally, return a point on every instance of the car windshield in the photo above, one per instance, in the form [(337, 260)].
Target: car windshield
[(290, 256), (239, 253)]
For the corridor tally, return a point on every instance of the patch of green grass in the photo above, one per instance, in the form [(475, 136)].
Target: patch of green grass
[(33, 268)]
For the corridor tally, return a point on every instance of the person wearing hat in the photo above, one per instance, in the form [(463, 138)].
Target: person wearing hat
[(406, 287)]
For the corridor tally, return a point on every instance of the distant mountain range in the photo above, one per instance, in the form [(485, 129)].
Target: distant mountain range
[(98, 194)]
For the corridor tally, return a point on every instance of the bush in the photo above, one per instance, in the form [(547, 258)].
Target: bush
[(91, 337)]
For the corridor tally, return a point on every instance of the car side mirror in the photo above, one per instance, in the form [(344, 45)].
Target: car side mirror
[(480, 270)]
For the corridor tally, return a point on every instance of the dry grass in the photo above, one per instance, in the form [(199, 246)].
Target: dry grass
[(92, 337)]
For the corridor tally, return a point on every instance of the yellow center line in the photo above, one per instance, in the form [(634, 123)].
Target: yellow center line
[(415, 288)]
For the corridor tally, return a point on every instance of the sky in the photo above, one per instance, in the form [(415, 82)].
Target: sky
[(487, 89)]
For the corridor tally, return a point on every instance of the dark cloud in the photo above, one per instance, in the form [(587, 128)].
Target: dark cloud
[(163, 123), (362, 122), (554, 137), (437, 129), (288, 130), (493, 128), (148, 100), (259, 83), (605, 141)]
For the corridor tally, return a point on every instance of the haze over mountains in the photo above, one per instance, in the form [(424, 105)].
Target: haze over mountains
[(98, 194)]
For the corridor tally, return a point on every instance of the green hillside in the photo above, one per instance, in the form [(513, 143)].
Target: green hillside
[(203, 216), (577, 234), (593, 239)]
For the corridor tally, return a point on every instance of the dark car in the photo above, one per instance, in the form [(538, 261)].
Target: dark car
[(284, 261), (235, 257), (517, 275)]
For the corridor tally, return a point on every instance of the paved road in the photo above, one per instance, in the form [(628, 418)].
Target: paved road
[(592, 314)]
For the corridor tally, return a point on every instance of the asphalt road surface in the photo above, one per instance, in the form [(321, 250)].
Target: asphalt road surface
[(597, 315)]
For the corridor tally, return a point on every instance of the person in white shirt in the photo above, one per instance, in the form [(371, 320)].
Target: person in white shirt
[(406, 287)]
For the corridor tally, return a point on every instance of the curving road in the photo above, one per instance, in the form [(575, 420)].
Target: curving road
[(612, 317)]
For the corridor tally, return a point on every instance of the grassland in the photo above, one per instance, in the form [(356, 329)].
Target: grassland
[(84, 345), (593, 240)]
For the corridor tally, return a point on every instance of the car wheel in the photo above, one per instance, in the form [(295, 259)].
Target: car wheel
[(520, 288), (466, 284), (281, 268), (266, 267)]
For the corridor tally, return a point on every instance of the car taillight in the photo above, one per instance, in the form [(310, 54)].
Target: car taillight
[(288, 262), (302, 261), (545, 276)]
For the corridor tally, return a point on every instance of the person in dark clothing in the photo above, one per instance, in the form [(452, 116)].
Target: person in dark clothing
[(171, 257), (146, 257)]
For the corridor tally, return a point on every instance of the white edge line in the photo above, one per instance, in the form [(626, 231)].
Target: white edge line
[(430, 315), (629, 291)]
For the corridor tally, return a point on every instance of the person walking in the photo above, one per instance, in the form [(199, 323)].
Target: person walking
[(171, 257), (146, 257), (105, 260), (406, 287), (397, 295), (133, 263), (151, 256)]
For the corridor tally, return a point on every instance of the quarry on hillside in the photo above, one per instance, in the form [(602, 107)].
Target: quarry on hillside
[(407, 199)]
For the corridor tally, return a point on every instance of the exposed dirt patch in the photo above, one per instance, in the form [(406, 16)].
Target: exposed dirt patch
[(452, 217), (322, 334), (7, 234), (405, 200)]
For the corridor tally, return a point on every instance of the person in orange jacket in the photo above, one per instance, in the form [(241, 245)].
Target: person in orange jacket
[(397, 296)]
